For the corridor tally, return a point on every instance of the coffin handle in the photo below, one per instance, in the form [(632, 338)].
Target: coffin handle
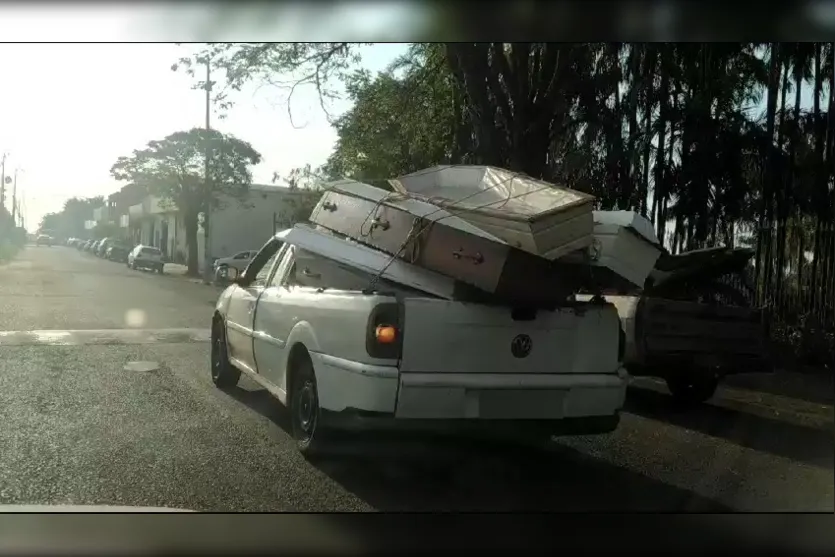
[(477, 258), (309, 274), (380, 223)]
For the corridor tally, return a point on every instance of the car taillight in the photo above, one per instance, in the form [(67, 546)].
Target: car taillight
[(384, 333)]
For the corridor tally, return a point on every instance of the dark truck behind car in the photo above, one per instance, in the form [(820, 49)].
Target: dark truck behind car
[(695, 323)]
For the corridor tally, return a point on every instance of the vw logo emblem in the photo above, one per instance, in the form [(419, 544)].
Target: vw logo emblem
[(521, 346)]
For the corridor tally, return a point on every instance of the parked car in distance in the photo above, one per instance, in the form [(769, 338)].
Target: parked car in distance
[(118, 252), (101, 249), (44, 240), (240, 260), (146, 257)]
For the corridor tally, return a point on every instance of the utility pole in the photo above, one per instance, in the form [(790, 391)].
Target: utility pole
[(3, 181), (19, 209), (207, 248), (23, 209), (14, 198)]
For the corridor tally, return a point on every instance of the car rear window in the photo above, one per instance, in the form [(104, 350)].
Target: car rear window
[(149, 251)]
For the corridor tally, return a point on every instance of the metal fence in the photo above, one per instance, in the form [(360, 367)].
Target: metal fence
[(793, 277)]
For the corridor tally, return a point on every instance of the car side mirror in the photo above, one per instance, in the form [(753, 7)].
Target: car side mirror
[(233, 274)]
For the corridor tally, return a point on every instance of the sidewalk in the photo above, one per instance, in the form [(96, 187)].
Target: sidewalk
[(179, 271)]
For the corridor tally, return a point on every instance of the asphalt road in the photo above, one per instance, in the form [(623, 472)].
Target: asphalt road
[(81, 425)]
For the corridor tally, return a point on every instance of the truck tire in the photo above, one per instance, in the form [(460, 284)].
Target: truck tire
[(224, 374), (689, 390), (310, 436)]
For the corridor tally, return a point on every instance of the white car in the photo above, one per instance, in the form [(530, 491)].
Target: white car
[(146, 257), (342, 355), (239, 261)]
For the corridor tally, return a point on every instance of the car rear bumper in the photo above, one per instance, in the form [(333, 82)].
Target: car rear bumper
[(147, 263), (361, 421), (410, 398)]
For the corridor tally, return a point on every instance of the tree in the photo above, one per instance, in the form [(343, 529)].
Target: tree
[(174, 169), (287, 66), (70, 221), (400, 120), (307, 191)]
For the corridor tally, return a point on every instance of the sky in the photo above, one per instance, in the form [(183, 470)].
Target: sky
[(67, 111)]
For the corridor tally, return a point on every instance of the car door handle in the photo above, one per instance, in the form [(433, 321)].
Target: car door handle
[(308, 273)]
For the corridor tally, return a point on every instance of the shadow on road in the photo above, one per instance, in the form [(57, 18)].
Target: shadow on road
[(803, 444), (817, 387), (393, 473)]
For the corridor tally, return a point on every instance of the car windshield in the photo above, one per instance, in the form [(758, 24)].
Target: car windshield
[(567, 277)]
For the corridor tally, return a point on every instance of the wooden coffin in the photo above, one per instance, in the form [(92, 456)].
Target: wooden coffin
[(532, 215), (430, 237), (623, 252)]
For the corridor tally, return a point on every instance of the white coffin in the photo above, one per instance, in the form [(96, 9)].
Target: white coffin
[(366, 259), (446, 244), (624, 244), (532, 215)]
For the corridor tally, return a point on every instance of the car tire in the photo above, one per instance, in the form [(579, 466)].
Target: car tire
[(160, 269), (312, 439), (224, 374), (691, 389), (132, 265)]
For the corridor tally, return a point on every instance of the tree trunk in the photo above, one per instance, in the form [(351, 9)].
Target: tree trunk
[(820, 173), (460, 141), (627, 189), (768, 178), (782, 198), (468, 63), (828, 260), (651, 57), (190, 225)]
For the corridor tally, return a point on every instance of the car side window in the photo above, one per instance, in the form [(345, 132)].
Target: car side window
[(261, 265), (241, 255), (285, 268), (263, 274)]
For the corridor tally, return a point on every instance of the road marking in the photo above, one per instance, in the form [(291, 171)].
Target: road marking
[(103, 337)]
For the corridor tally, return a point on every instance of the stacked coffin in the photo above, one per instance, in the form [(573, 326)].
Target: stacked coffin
[(622, 255), (493, 234)]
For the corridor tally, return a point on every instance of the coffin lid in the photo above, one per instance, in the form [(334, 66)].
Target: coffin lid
[(364, 258), (628, 219), (405, 202), (489, 189), (703, 264)]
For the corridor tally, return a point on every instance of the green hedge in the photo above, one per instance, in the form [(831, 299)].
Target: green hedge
[(8, 250)]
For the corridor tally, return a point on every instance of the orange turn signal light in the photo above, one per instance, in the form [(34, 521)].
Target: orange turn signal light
[(385, 334)]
